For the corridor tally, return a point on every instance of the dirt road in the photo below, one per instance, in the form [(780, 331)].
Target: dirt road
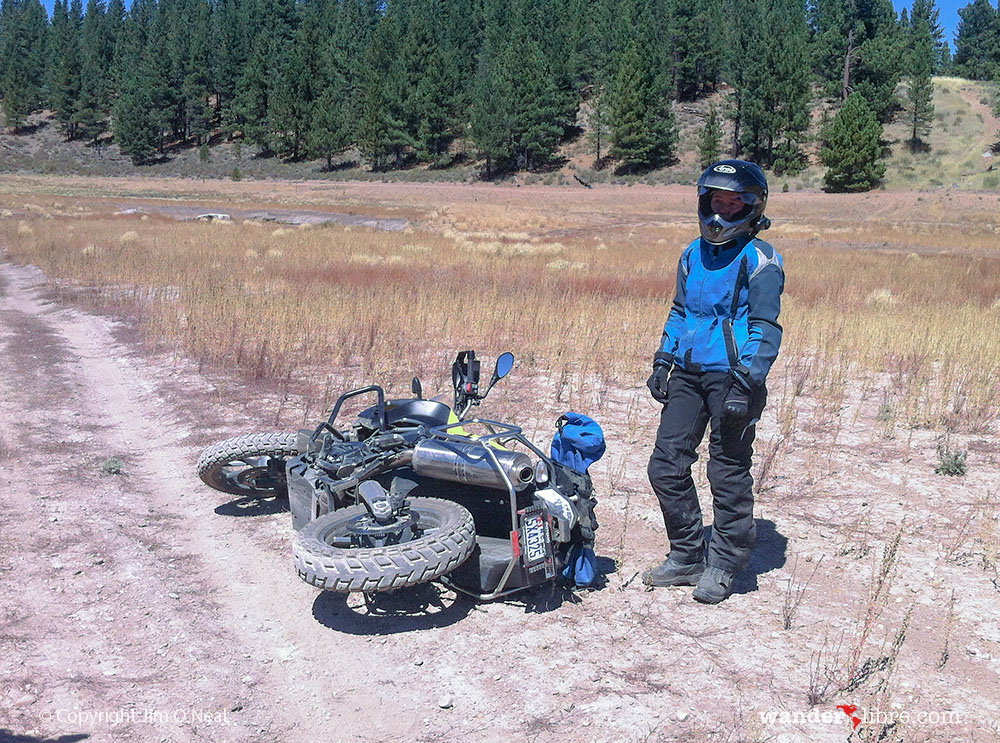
[(136, 607), (140, 606)]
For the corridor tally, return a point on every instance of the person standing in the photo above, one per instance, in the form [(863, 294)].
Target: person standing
[(719, 342)]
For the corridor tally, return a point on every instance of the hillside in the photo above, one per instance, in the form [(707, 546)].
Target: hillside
[(960, 153)]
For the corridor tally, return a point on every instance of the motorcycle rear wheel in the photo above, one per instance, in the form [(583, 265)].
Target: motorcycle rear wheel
[(239, 465), (448, 539)]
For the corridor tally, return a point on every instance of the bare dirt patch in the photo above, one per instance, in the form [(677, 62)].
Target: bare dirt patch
[(142, 606)]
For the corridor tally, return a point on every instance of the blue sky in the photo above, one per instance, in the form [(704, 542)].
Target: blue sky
[(949, 15)]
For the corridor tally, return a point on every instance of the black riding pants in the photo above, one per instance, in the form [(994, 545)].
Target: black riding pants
[(694, 400)]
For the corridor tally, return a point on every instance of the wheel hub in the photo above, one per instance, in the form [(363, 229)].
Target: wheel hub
[(266, 477), (367, 532)]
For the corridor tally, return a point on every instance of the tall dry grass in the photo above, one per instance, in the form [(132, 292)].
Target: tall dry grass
[(581, 303)]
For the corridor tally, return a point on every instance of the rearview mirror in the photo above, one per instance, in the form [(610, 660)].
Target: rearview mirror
[(417, 388), (505, 362)]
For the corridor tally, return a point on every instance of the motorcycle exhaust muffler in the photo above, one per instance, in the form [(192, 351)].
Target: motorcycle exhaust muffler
[(468, 463)]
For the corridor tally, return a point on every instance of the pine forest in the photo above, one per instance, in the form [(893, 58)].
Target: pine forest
[(504, 81)]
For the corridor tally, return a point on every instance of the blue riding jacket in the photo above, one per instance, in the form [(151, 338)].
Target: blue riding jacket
[(725, 314)]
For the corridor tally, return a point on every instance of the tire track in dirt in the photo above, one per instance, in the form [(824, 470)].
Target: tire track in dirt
[(136, 596), (144, 597), (150, 602)]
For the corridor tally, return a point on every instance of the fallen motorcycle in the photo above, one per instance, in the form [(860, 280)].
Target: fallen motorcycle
[(415, 491)]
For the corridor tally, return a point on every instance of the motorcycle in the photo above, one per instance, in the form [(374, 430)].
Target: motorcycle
[(416, 491)]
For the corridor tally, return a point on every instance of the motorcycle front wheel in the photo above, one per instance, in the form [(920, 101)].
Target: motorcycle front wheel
[(245, 465), (447, 539)]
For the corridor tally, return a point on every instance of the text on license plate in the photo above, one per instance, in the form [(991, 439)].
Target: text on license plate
[(536, 538)]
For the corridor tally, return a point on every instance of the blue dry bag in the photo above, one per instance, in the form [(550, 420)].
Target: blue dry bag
[(579, 443)]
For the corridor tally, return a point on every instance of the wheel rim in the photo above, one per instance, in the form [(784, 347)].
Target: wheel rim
[(251, 475), (335, 534)]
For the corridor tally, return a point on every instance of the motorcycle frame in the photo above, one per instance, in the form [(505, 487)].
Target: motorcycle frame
[(498, 431)]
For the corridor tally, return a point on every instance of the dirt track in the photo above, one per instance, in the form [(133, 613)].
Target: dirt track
[(135, 609), (145, 607), (127, 598)]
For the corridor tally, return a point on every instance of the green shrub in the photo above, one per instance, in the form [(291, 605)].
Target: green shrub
[(951, 462), (113, 466)]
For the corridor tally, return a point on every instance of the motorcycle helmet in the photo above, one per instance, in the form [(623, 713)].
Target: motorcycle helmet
[(748, 182)]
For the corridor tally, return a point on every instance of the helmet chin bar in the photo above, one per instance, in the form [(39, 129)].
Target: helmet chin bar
[(716, 230)]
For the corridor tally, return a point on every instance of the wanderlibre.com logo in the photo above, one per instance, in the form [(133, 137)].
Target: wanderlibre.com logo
[(856, 716)]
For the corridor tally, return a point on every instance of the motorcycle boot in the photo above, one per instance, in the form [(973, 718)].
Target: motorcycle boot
[(672, 573), (714, 586)]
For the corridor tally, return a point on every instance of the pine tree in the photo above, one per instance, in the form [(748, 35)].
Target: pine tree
[(382, 133), (22, 60), (433, 104), (252, 106), (231, 38), (644, 131), (794, 87), (977, 44), (135, 126), (430, 69), (769, 74), (491, 119), (197, 66), (135, 118), (114, 27), (598, 122), (697, 53), (920, 105), (853, 149), (879, 72), (64, 71), (296, 90), (710, 140), (836, 37), (927, 11), (331, 125), (157, 69), (547, 36), (857, 45), (90, 110)]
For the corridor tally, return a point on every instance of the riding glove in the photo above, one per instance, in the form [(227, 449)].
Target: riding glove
[(657, 382), (736, 404)]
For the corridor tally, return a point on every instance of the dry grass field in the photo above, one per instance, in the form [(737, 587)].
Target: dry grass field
[(576, 281), (887, 571)]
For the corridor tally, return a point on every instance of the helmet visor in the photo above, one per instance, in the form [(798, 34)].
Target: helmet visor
[(730, 206), (750, 199)]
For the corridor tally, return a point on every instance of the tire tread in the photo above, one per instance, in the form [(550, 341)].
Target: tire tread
[(386, 568)]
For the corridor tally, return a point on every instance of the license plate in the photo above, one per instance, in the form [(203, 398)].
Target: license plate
[(536, 542)]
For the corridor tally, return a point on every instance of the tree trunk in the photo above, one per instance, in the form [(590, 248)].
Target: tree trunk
[(736, 125), (848, 62)]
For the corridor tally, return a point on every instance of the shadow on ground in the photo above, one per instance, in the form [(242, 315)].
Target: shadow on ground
[(253, 505), (431, 605), (9, 736), (422, 607), (768, 554)]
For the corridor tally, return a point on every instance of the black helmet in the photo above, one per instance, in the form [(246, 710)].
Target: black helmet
[(743, 178)]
